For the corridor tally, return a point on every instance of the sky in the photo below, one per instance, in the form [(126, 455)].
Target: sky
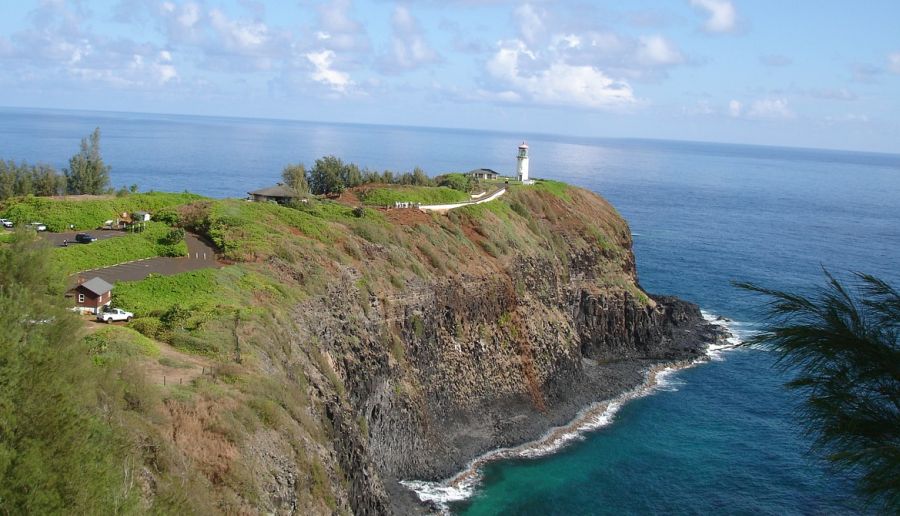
[(823, 74)]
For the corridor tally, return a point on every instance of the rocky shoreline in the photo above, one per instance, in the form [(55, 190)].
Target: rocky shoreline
[(602, 383)]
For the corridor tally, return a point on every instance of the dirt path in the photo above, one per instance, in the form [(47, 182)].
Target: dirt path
[(172, 367)]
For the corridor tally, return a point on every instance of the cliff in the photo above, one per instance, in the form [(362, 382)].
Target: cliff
[(532, 312), (342, 350)]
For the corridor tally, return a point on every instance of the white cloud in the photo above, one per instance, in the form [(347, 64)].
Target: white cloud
[(735, 108), (770, 109), (343, 32), (558, 83), (241, 35), (657, 50), (894, 62), (722, 16), (323, 72), (409, 49), (530, 22)]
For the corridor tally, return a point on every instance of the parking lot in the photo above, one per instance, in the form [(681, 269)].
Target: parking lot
[(58, 238), (201, 255)]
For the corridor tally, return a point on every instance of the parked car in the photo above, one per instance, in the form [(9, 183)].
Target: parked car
[(84, 238), (6, 223), (114, 314), (38, 226)]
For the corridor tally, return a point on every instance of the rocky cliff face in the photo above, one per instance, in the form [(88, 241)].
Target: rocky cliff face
[(436, 372)]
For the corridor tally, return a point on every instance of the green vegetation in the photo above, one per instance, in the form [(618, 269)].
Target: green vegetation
[(87, 173), (116, 341), (294, 176), (58, 452), (842, 345), (89, 213), (422, 194), (456, 181), (155, 240), (24, 179), (248, 231), (188, 440), (156, 294), (331, 175), (557, 188)]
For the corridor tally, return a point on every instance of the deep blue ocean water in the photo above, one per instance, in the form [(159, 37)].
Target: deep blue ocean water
[(721, 437)]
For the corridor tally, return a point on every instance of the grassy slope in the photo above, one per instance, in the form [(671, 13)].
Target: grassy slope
[(239, 316), (388, 195), (89, 212)]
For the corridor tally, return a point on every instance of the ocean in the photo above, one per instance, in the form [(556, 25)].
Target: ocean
[(721, 437)]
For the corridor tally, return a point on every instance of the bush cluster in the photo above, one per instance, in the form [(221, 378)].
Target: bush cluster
[(331, 175)]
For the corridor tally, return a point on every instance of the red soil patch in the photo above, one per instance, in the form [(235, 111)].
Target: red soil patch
[(406, 216), (349, 198)]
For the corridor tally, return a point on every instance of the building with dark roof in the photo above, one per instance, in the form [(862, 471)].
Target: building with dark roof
[(91, 295), (279, 193), (483, 173)]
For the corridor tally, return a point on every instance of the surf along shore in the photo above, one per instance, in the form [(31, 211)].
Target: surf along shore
[(610, 386)]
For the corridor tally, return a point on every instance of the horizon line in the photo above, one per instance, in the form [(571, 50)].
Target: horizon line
[(444, 128)]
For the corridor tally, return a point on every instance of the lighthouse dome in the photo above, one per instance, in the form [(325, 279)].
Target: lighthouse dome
[(523, 146)]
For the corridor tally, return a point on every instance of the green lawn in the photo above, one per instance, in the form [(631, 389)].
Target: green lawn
[(387, 196), (110, 251)]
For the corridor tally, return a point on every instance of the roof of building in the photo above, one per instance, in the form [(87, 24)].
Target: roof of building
[(97, 286), (141, 213), (279, 190), (523, 146), (482, 171)]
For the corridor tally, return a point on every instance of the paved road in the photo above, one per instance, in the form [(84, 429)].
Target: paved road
[(202, 256)]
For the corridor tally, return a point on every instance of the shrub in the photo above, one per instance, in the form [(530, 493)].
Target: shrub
[(456, 181), (174, 236)]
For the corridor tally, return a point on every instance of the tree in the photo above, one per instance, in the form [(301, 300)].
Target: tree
[(294, 176), (58, 454), (326, 177), (351, 176), (87, 174), (420, 178), (842, 345), (459, 182)]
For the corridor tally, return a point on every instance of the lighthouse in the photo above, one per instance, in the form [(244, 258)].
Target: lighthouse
[(522, 168)]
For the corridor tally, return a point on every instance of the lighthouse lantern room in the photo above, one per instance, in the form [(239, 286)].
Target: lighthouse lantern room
[(522, 168)]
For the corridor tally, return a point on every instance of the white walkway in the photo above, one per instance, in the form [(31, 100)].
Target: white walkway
[(448, 207)]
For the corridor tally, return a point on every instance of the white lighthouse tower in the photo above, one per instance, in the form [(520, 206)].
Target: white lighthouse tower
[(522, 169)]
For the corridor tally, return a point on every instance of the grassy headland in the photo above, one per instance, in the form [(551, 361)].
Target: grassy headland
[(192, 443)]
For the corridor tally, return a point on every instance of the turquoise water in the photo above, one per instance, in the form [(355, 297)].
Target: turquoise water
[(717, 438)]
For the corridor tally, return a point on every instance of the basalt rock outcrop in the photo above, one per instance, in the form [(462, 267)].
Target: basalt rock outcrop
[(446, 368)]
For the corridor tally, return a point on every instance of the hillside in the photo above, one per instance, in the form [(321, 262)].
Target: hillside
[(351, 348)]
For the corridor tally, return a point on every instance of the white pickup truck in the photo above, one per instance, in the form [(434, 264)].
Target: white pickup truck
[(114, 314)]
